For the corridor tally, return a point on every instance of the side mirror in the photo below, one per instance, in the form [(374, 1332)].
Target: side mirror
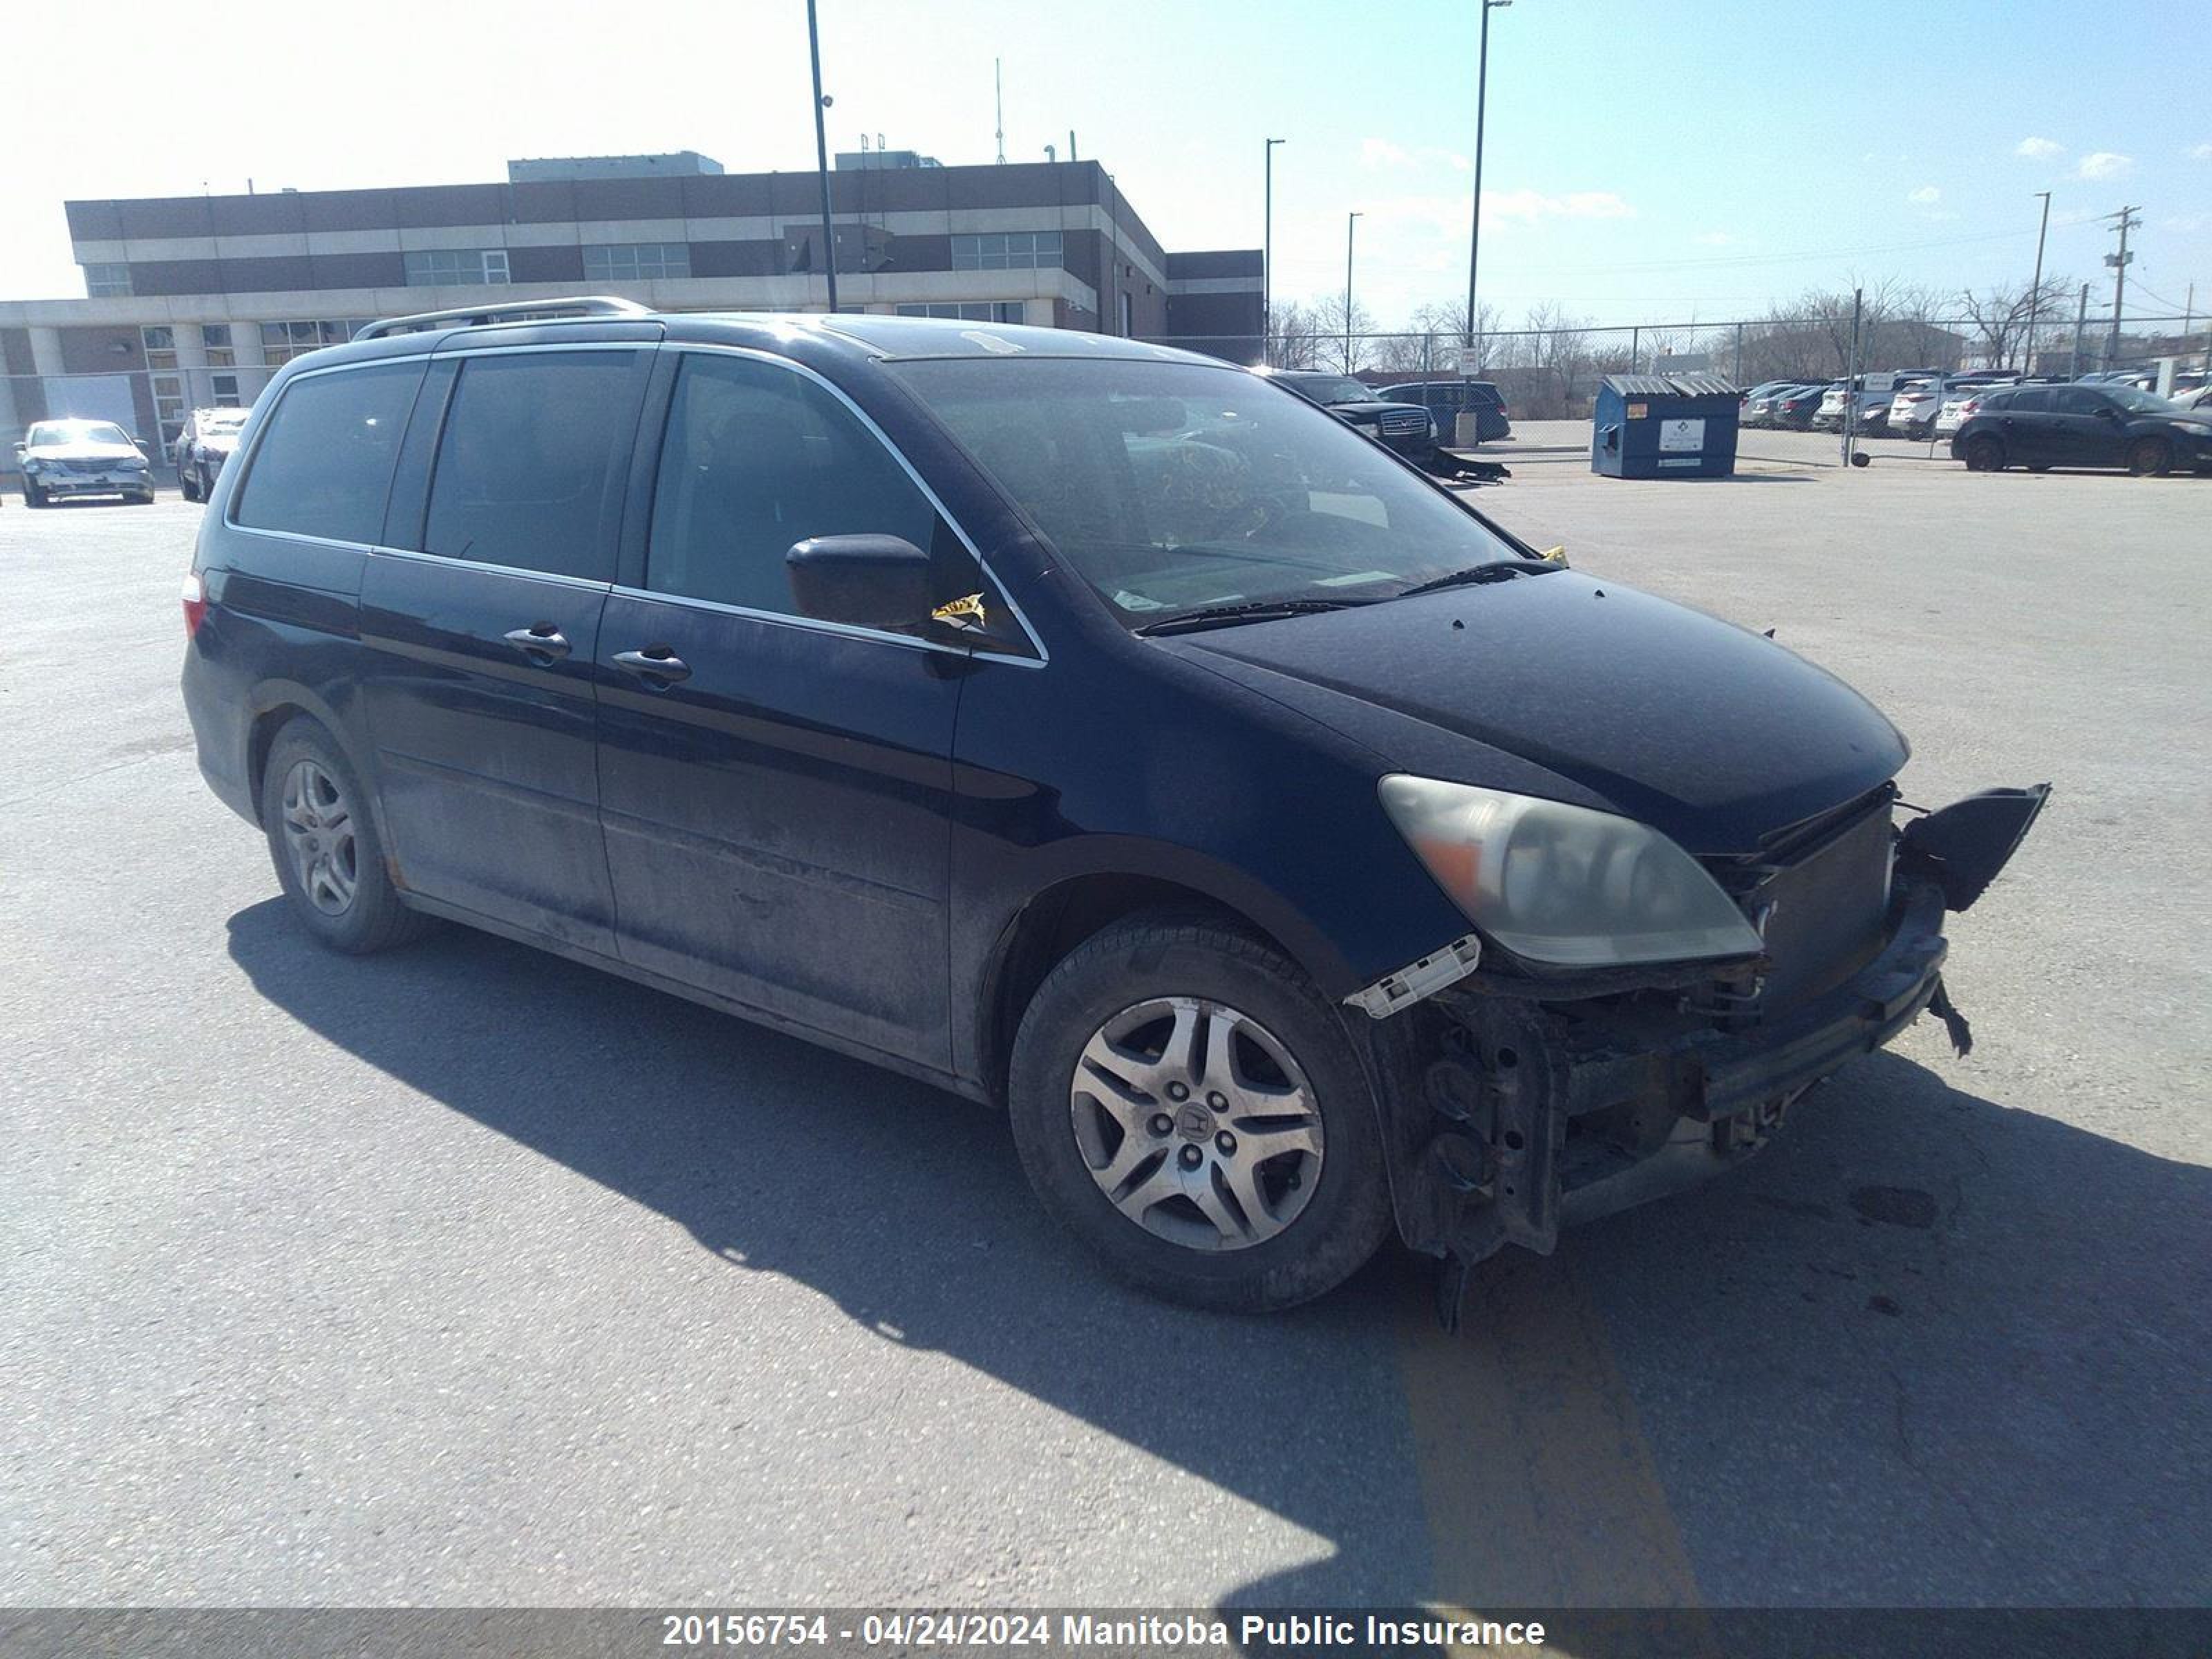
[(865, 582)]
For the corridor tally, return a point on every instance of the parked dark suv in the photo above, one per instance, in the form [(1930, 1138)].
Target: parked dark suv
[(2104, 425), (1407, 428), (1448, 399), (1091, 729)]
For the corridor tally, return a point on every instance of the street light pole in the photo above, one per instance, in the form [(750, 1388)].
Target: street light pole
[(1482, 95), (1267, 263), (822, 155), (2035, 290), (1351, 223)]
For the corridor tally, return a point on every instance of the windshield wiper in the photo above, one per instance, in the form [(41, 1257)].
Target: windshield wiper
[(1497, 570), (1223, 616)]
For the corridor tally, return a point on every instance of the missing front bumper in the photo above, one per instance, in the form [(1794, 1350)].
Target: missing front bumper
[(1514, 1120)]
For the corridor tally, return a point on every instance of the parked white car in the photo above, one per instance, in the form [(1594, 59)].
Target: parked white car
[(1959, 403), (61, 458)]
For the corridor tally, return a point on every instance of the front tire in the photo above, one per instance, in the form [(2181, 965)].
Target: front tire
[(187, 485), (1985, 455), (35, 496), (322, 837), (1266, 1187), (2149, 458)]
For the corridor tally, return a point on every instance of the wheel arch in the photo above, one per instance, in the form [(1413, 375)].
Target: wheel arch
[(1059, 917)]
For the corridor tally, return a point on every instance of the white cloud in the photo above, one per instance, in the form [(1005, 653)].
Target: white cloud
[(2105, 164), (1926, 196), (2037, 149), (2200, 152), (1531, 205)]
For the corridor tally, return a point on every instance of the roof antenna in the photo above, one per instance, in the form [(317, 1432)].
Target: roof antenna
[(998, 88)]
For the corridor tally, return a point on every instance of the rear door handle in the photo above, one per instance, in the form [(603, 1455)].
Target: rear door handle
[(657, 665), (542, 642)]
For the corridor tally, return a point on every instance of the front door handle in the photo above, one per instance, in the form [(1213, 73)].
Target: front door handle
[(657, 665), (542, 642)]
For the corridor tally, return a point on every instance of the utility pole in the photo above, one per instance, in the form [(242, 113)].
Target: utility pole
[(999, 93), (1266, 258), (2126, 219), (1482, 95), (2035, 289), (822, 155), (2081, 322), (1351, 224)]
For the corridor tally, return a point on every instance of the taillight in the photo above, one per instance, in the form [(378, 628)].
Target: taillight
[(196, 602)]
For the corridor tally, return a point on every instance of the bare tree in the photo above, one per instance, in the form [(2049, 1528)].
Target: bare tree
[(1339, 345), (2002, 317), (1294, 335)]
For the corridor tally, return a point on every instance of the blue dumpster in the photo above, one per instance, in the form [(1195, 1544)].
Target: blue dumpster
[(1664, 426)]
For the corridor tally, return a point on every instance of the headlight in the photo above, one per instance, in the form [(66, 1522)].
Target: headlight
[(1563, 884), (133, 463)]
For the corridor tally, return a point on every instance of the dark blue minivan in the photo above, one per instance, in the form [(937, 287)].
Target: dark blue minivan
[(1093, 729)]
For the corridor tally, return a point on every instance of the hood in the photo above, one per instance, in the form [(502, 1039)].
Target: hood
[(1370, 408), (1710, 733), (84, 452)]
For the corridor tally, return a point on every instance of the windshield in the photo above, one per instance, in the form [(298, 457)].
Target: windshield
[(1171, 486), (2139, 403), (1330, 388), (77, 432)]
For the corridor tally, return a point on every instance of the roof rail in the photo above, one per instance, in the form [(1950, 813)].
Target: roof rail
[(586, 305)]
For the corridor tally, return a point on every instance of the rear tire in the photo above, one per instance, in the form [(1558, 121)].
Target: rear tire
[(329, 858), (186, 485), (1151, 1022), (2149, 458), (1985, 455)]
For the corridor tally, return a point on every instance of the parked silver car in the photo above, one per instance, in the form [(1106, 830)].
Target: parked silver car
[(61, 458)]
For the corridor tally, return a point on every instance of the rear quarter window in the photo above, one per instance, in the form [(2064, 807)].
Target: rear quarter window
[(324, 465)]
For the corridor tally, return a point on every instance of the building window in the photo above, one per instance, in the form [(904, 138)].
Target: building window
[(160, 344), (169, 406), (282, 341), (1128, 317), (455, 267), (225, 387), (215, 338), (987, 311), (636, 262), (103, 281), (1007, 250)]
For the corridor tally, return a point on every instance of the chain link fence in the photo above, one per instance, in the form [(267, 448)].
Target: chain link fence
[(1551, 373)]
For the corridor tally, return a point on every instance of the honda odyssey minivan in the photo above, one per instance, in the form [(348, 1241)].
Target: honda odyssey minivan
[(1093, 729)]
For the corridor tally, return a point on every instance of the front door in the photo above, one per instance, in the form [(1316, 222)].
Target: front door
[(2086, 429), (483, 628), (775, 791)]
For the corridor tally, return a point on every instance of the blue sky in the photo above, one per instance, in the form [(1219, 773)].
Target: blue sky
[(1645, 162)]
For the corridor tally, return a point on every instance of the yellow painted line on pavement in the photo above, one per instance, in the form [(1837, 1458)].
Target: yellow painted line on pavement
[(1539, 1488)]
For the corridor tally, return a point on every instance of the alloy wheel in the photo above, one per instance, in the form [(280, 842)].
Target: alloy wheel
[(319, 835), (1197, 1123)]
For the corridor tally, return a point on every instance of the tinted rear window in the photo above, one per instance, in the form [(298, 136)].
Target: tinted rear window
[(323, 467), (2027, 401), (529, 462)]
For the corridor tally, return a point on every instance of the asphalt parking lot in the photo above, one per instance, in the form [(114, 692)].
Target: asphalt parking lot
[(462, 1275)]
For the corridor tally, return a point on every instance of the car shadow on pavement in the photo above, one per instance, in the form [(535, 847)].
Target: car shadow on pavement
[(1925, 1350)]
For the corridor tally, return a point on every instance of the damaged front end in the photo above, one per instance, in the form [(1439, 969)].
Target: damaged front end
[(1521, 1099)]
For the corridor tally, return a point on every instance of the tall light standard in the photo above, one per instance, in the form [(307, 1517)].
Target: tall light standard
[(2035, 289), (822, 155), (1482, 94), (1267, 262), (1351, 224)]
